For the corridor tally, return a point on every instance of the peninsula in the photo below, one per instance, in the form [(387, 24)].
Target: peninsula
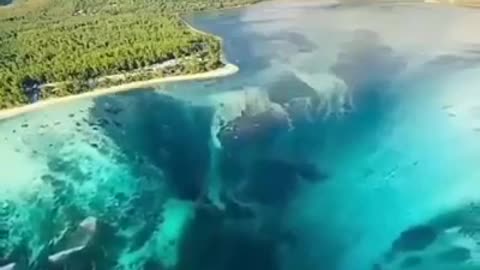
[(59, 48)]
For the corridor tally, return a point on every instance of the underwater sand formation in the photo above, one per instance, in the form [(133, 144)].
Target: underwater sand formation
[(10, 266), (173, 138), (79, 241), (248, 130), (76, 248), (327, 93), (367, 64), (300, 110), (163, 126), (136, 137), (288, 87), (448, 242), (80, 182), (332, 94), (160, 128)]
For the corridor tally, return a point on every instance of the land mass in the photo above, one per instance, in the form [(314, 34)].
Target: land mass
[(226, 70), (58, 48)]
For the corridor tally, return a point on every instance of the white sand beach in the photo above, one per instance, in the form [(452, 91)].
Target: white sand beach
[(226, 70)]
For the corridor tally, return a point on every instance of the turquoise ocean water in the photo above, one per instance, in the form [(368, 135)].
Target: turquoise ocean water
[(256, 171)]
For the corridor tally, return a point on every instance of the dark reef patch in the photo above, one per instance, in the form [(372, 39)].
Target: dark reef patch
[(287, 87), (455, 254), (415, 238), (175, 136), (253, 130), (235, 246), (369, 67), (171, 134), (367, 64), (274, 181), (409, 262), (5, 2)]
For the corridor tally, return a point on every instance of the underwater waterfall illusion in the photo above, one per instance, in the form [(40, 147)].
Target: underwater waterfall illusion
[(349, 140)]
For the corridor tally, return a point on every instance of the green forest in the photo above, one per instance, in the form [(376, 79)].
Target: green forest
[(51, 48)]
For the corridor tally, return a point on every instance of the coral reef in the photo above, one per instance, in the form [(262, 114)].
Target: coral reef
[(448, 241), (137, 189)]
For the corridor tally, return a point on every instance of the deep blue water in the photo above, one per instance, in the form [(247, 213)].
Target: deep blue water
[(5, 2), (349, 139)]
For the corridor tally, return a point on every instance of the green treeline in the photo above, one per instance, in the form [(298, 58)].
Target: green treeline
[(75, 41)]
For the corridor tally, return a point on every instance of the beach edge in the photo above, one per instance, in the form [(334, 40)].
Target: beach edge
[(224, 71)]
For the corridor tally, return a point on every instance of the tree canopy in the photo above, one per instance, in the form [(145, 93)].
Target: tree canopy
[(74, 41)]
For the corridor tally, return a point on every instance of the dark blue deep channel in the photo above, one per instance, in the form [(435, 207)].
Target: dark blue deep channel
[(5, 2), (348, 140)]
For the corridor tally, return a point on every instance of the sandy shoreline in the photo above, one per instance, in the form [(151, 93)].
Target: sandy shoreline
[(226, 70)]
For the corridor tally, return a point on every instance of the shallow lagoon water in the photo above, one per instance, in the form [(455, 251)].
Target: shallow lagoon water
[(403, 153)]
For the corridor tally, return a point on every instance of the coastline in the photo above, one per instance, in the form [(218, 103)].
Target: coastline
[(226, 70)]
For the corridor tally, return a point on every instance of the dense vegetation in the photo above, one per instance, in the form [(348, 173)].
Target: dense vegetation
[(72, 42)]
